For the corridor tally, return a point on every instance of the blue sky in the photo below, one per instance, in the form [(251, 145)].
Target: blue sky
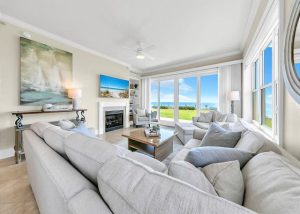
[(111, 82), (268, 65), (297, 67), (187, 90)]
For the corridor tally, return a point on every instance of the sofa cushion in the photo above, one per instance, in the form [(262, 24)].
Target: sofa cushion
[(219, 117), (87, 202), (205, 117), (202, 156), (199, 133), (55, 137), (186, 172), (231, 118), (148, 161), (138, 189), (185, 128), (66, 124), (193, 143), (202, 125), (218, 136), (272, 184), (40, 127), (250, 141), (227, 180), (84, 130), (88, 154)]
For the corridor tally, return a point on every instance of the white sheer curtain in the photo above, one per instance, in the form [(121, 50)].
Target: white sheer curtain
[(145, 94), (224, 88)]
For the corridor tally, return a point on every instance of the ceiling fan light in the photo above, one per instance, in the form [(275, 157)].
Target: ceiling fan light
[(140, 56)]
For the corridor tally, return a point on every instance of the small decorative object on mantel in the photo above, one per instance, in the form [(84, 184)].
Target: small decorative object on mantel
[(47, 107), (75, 94), (153, 131)]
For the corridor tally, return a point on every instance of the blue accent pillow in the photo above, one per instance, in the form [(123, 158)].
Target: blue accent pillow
[(82, 129), (202, 156)]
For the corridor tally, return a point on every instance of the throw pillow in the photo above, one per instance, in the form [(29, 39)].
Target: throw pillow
[(84, 130), (202, 156), (66, 124), (205, 117), (231, 118), (141, 112), (219, 117), (218, 136), (250, 141), (186, 172), (227, 180)]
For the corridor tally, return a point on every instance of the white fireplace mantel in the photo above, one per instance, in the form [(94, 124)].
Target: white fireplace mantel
[(113, 104)]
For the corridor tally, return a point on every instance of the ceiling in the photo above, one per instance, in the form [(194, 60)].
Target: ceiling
[(181, 31)]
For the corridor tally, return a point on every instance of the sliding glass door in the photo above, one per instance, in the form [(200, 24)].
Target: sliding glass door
[(187, 104), (208, 92), (166, 97)]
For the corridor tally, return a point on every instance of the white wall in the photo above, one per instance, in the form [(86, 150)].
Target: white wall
[(86, 68)]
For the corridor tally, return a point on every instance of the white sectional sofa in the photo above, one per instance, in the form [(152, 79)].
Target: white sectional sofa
[(72, 173)]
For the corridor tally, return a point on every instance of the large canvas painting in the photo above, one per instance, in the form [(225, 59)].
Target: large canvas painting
[(112, 87), (45, 74)]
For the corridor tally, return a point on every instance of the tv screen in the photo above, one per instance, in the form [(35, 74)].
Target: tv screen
[(112, 87)]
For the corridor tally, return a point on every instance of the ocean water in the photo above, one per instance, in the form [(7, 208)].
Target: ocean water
[(190, 104)]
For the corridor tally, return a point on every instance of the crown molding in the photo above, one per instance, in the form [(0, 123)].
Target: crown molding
[(18, 23), (189, 61)]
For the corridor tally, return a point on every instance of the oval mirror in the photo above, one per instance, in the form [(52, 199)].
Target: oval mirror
[(291, 53)]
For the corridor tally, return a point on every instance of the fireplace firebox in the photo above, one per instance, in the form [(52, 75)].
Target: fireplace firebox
[(114, 120)]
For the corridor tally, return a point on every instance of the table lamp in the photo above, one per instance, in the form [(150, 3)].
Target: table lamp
[(75, 94)]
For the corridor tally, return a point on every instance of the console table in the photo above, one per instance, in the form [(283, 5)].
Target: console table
[(19, 151)]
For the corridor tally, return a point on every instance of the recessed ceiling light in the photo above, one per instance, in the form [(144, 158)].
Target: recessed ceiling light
[(26, 35)]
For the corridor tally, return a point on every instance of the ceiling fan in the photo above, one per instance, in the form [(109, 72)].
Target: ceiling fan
[(140, 51)]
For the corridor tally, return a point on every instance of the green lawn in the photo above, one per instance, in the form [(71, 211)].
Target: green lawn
[(183, 114), (268, 122)]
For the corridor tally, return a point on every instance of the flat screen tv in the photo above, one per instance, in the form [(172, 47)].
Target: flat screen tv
[(111, 87)]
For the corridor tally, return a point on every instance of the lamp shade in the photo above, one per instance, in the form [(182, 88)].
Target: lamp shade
[(74, 93), (235, 95)]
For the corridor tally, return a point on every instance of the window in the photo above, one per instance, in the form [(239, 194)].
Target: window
[(187, 104), (209, 92), (297, 68), (154, 96), (166, 95), (262, 94)]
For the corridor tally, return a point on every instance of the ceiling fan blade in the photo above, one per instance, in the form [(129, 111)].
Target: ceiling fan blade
[(149, 56)]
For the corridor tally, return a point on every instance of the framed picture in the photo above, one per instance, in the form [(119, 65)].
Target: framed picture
[(45, 74), (111, 87)]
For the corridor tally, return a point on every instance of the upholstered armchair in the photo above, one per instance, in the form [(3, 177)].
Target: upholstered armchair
[(141, 117)]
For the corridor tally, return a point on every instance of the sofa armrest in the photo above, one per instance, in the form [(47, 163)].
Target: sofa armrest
[(199, 133), (195, 119)]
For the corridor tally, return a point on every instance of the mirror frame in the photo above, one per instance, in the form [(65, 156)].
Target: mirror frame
[(291, 80)]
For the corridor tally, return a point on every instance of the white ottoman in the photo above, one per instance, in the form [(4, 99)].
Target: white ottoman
[(184, 131)]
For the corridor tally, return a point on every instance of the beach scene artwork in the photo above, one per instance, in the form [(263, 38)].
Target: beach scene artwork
[(46, 72), (111, 87)]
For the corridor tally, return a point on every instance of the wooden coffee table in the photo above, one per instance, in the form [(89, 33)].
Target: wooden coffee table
[(156, 147)]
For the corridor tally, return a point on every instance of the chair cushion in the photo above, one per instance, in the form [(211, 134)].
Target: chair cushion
[(186, 172), (272, 184), (138, 189), (202, 156), (219, 117), (250, 141), (218, 136), (202, 125), (143, 119), (227, 180), (205, 117), (141, 112), (88, 154)]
